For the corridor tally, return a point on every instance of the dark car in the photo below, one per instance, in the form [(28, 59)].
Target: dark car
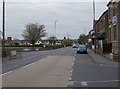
[(82, 49)]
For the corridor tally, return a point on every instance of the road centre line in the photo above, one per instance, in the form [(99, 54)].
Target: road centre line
[(25, 66)]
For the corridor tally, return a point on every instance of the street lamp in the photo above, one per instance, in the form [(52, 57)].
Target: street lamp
[(3, 42), (55, 27), (94, 26)]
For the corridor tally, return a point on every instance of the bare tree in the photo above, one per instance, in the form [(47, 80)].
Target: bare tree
[(33, 32)]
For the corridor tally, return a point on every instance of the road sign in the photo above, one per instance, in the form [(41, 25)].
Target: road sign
[(9, 39)]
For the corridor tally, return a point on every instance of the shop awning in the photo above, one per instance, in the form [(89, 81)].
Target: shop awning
[(101, 36)]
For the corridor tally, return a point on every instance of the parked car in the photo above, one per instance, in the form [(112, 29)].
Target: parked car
[(75, 46), (82, 49), (26, 50)]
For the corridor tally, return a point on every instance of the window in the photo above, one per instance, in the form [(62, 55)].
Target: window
[(114, 33)]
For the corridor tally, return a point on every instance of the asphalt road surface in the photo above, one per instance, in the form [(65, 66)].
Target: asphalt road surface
[(58, 68), (30, 57), (87, 73)]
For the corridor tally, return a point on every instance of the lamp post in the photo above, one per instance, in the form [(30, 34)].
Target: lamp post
[(3, 42), (94, 26), (55, 27)]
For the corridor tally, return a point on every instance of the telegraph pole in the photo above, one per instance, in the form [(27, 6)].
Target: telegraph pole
[(55, 27), (93, 25), (3, 42), (85, 30)]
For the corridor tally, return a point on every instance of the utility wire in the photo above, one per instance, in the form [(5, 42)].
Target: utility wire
[(54, 13)]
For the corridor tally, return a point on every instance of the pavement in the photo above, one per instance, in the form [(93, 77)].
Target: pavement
[(52, 71), (97, 58)]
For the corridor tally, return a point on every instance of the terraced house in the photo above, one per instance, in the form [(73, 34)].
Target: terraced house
[(114, 27), (107, 31), (102, 37)]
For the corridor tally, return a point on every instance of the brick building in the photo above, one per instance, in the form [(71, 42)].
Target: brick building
[(114, 27), (107, 31), (103, 44)]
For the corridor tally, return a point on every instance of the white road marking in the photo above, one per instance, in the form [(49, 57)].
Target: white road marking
[(73, 59), (72, 69), (107, 65), (72, 64), (103, 81), (71, 72), (24, 66), (70, 78), (75, 55), (70, 75), (6, 73), (84, 83), (35, 62)]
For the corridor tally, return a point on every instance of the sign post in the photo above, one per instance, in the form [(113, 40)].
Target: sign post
[(9, 39)]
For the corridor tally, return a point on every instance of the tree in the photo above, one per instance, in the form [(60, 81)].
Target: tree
[(82, 39), (33, 32), (67, 42), (52, 39)]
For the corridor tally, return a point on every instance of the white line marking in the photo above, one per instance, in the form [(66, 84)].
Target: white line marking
[(25, 66), (35, 62), (104, 81), (70, 75), (70, 78), (6, 73), (73, 59), (72, 64), (84, 83), (107, 65), (71, 71)]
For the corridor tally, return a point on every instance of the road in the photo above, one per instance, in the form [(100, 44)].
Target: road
[(58, 68), (87, 73), (30, 57)]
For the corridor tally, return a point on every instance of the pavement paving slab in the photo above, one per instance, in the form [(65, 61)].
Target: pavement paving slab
[(53, 71)]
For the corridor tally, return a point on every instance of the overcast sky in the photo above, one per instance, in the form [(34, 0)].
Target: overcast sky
[(73, 18)]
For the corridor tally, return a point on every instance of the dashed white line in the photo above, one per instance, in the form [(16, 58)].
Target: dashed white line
[(71, 72), (84, 83), (35, 62), (6, 73), (103, 81), (70, 78), (72, 64), (72, 69), (107, 65)]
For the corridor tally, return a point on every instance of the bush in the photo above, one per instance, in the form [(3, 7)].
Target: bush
[(38, 45)]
